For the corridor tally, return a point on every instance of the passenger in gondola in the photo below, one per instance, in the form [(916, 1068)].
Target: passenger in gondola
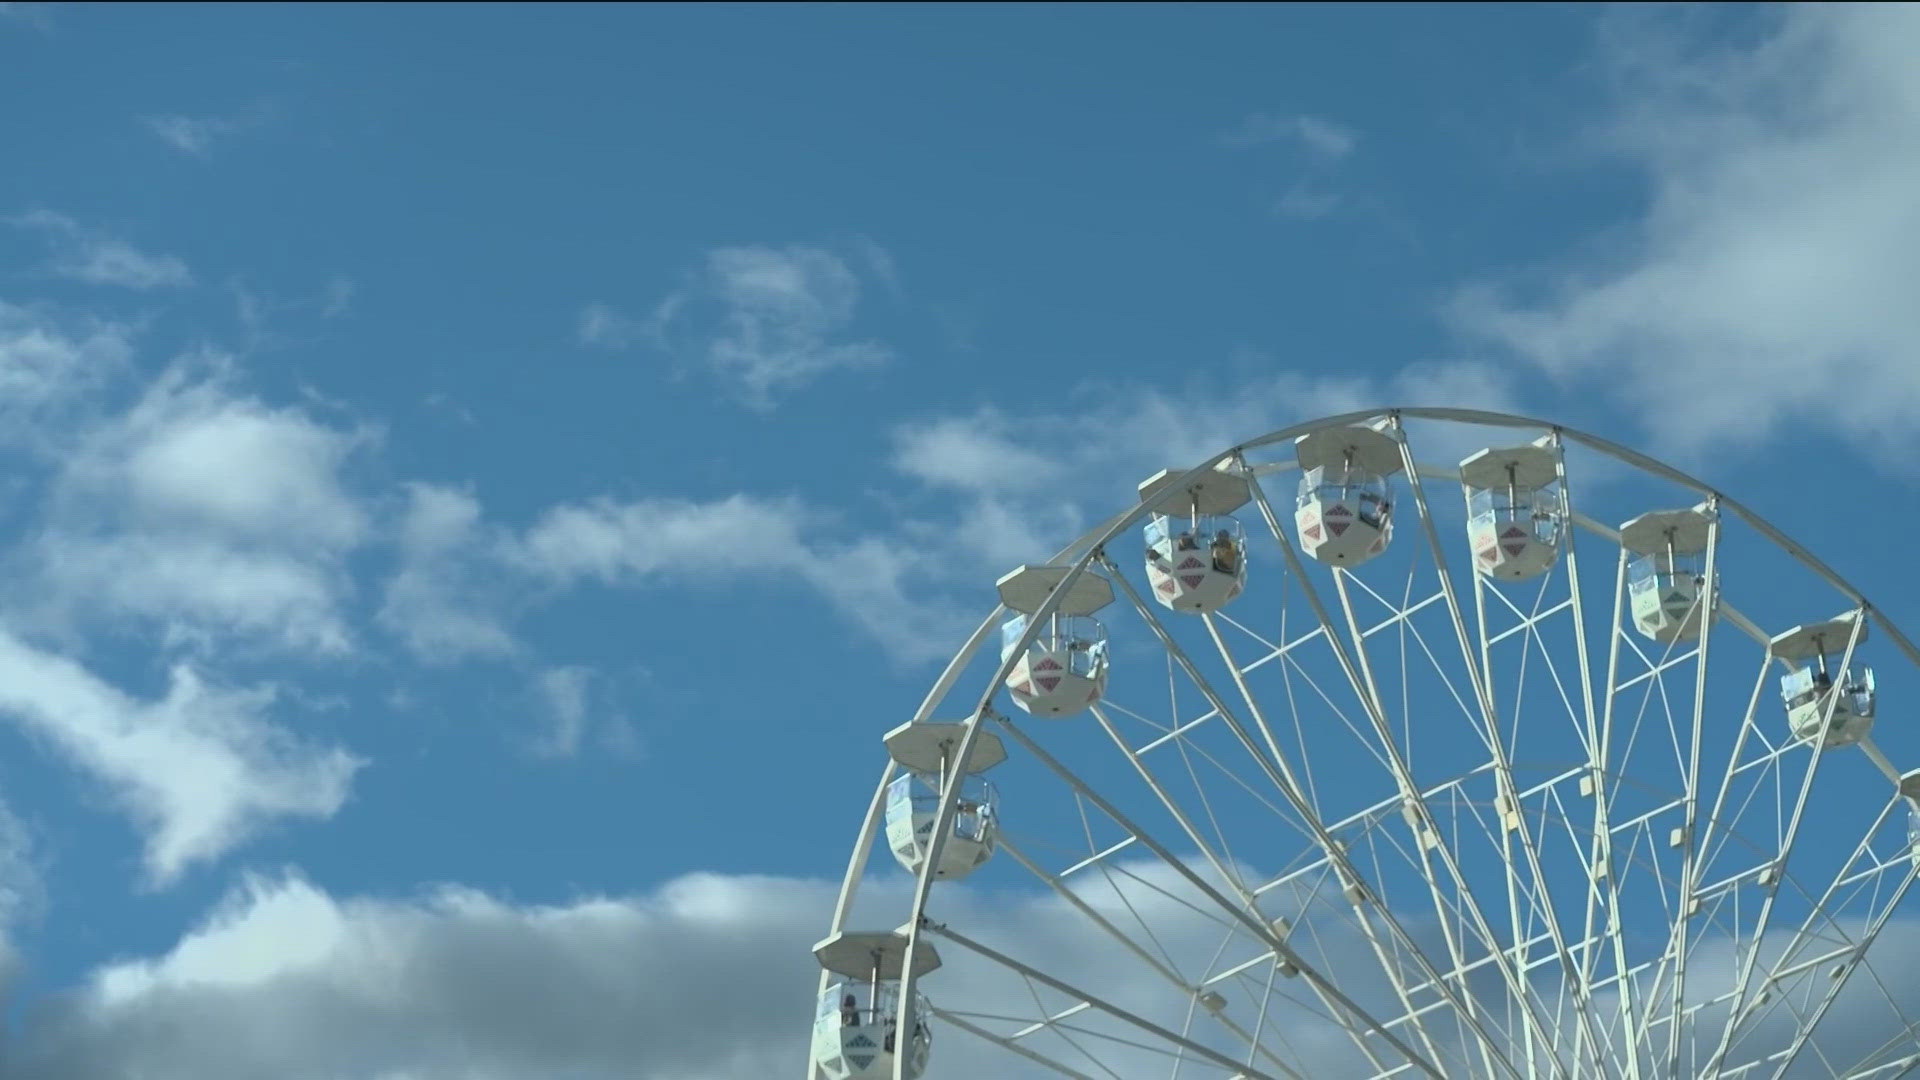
[(849, 1011), (1372, 509), (1226, 556)]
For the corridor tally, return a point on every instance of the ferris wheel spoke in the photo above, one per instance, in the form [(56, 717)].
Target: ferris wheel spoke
[(1520, 998), (1533, 887), (1357, 1021), (1854, 952), (1702, 843), (1592, 724), (1467, 1007), (963, 1022), (1742, 981), (1808, 1020), (1167, 1037), (1223, 867), (1604, 922), (1467, 1011), (1275, 764), (1159, 964), (1896, 1056), (1687, 842), (1053, 1023), (1249, 897)]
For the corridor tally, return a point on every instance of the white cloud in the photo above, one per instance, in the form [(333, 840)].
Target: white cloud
[(22, 890), (207, 512), (763, 320), (563, 690), (1769, 281), (601, 325), (705, 978), (666, 541), (679, 543), (578, 717), (46, 363), (1328, 140), (196, 589), (989, 490), (444, 600), (97, 259), (1306, 203), (200, 769), (193, 134), (1025, 486), (30, 13)]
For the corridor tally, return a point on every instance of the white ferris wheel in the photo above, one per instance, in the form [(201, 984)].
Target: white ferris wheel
[(1331, 759)]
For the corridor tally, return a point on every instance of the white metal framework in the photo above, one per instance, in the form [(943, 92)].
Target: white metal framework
[(1415, 809)]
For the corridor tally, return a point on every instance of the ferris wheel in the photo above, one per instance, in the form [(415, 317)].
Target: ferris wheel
[(1364, 749)]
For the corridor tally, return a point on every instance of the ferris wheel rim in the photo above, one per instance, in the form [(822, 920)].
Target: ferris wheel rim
[(1089, 550)]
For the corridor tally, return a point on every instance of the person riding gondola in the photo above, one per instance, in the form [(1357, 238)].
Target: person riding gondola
[(1226, 554)]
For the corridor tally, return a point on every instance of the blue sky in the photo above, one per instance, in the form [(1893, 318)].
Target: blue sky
[(470, 465)]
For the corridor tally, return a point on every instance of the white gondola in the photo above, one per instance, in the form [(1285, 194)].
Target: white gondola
[(856, 1027), (1832, 706), (1344, 512), (1196, 554), (1515, 510), (1910, 790), (1064, 668), (926, 752), (1666, 582), (1913, 832)]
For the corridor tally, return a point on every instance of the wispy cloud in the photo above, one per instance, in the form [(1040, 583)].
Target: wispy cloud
[(1307, 203), (599, 324), (1328, 140), (1770, 279), (445, 601), (871, 581), (761, 320), (22, 887), (194, 134), (34, 15), (88, 255), (204, 513), (48, 362), (573, 703), (200, 768)]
